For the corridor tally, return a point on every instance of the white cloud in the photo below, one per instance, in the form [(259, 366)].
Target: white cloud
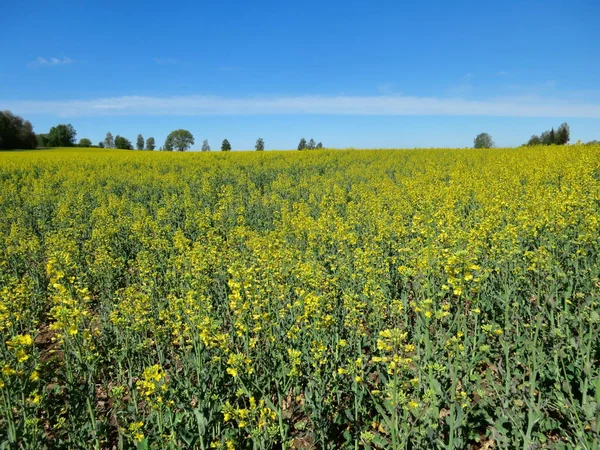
[(521, 106), (39, 61)]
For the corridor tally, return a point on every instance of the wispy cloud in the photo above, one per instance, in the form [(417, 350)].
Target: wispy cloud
[(40, 62), (312, 104), (463, 87)]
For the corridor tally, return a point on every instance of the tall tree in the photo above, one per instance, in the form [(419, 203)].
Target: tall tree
[(552, 136), (311, 144), (139, 144), (109, 142), (15, 132), (205, 146), (483, 140), (123, 143), (42, 140), (563, 134), (260, 144), (150, 144), (546, 138), (225, 146), (319, 146), (302, 144), (62, 136), (180, 140)]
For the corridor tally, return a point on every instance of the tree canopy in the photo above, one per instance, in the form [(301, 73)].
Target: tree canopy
[(260, 144), (109, 142), (84, 142), (225, 146), (150, 144), (62, 136), (139, 143), (302, 144), (483, 140), (561, 136), (123, 143), (15, 132), (180, 140), (205, 146)]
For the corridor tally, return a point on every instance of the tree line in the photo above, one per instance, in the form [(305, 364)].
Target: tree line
[(560, 136), (17, 133)]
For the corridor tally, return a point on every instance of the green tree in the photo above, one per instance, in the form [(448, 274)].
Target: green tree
[(101, 144), (180, 140), (546, 138), (563, 134), (311, 144), (319, 146), (150, 144), (302, 144), (15, 132), (483, 140), (42, 140), (109, 142), (62, 136), (84, 142), (139, 143), (552, 136), (534, 140), (123, 143), (205, 146), (260, 144), (225, 146)]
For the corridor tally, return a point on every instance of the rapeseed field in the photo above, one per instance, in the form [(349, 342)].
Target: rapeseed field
[(403, 299)]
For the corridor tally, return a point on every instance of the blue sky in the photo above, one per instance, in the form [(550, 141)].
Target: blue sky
[(349, 74)]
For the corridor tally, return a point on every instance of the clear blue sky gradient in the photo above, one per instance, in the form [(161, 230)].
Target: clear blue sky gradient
[(201, 54)]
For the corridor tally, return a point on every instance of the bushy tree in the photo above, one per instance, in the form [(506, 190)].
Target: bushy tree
[(123, 143), (205, 146), (109, 142), (225, 146), (302, 144), (546, 138), (534, 140), (260, 144), (42, 140), (84, 142), (311, 144), (150, 144), (139, 143), (15, 132), (180, 140), (62, 136), (319, 146), (563, 134), (101, 144), (483, 140)]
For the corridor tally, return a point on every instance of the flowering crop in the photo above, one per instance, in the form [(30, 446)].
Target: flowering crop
[(328, 299)]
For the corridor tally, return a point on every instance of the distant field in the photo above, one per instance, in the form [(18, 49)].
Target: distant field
[(326, 299)]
